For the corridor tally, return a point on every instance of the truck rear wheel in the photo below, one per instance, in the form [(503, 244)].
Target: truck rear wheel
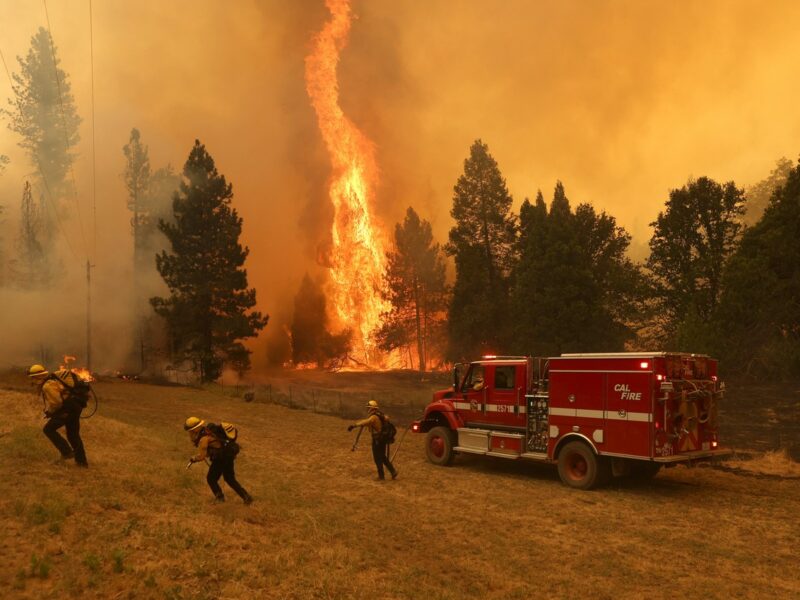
[(439, 444), (579, 467)]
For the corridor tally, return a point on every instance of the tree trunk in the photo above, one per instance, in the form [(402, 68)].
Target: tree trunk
[(418, 319)]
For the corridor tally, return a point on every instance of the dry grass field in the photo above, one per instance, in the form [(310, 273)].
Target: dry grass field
[(137, 524)]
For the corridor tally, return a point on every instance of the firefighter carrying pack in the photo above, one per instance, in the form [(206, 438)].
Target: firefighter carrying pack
[(77, 390), (226, 434), (388, 430)]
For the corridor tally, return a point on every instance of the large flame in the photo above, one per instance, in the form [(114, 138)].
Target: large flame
[(357, 258), (81, 372)]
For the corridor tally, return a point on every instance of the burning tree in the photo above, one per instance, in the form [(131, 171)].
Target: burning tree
[(208, 311), (416, 290)]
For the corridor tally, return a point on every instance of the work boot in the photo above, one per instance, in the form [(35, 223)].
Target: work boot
[(219, 498), (248, 499), (394, 474), (85, 465)]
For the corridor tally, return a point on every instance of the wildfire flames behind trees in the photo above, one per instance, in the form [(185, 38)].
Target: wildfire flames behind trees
[(416, 291), (553, 277)]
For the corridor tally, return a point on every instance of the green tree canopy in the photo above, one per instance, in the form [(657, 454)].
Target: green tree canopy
[(482, 242), (758, 320), (691, 243), (208, 310), (416, 290), (574, 287)]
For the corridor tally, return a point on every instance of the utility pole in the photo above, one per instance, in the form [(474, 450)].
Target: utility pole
[(88, 315)]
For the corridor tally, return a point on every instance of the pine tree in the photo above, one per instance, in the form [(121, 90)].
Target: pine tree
[(416, 290), (482, 243), (43, 112), (311, 340), (207, 310), (574, 288), (691, 243), (137, 181), (757, 323), (530, 277), (30, 267)]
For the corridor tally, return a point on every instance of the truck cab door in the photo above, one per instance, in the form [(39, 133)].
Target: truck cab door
[(505, 395)]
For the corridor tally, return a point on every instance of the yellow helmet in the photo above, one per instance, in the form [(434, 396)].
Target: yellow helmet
[(372, 404), (37, 371), (193, 424)]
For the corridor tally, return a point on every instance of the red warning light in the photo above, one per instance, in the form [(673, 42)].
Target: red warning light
[(644, 365)]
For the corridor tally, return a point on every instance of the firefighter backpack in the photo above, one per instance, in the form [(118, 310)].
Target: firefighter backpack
[(227, 434), (78, 390), (388, 430)]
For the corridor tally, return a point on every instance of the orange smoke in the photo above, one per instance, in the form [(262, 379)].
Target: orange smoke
[(357, 258)]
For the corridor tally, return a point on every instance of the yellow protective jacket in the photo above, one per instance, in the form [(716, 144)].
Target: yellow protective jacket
[(207, 445), (373, 422), (55, 391)]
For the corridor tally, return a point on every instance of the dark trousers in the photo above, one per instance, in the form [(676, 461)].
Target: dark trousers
[(380, 453), (72, 421), (222, 466)]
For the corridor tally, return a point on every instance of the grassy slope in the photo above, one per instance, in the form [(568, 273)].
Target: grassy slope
[(139, 525)]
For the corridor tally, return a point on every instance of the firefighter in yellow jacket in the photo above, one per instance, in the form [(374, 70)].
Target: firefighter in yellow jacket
[(220, 453), (380, 448), (61, 410)]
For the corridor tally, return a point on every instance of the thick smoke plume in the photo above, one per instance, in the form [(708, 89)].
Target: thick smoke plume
[(620, 100)]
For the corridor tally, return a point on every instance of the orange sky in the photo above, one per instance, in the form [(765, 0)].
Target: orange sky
[(621, 100)]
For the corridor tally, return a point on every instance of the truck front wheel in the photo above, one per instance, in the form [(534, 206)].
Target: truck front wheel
[(439, 444), (579, 467)]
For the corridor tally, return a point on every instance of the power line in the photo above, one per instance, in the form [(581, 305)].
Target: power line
[(64, 126), (48, 195)]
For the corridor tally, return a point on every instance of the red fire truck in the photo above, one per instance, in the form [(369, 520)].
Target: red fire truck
[(594, 415)]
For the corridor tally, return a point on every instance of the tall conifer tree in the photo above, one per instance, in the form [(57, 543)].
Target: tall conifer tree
[(209, 309), (416, 290), (43, 112), (574, 288), (482, 241)]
